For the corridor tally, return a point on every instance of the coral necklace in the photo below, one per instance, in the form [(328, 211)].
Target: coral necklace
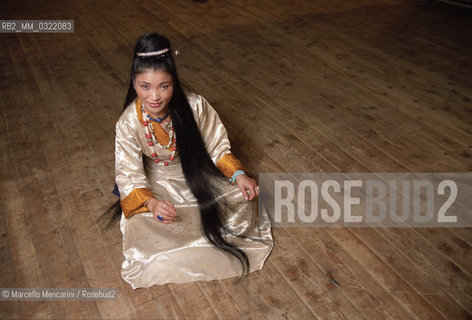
[(152, 141)]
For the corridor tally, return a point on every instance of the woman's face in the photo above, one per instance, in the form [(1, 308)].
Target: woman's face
[(154, 89)]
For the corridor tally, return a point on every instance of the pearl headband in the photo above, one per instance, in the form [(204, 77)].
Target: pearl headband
[(152, 53), (155, 53)]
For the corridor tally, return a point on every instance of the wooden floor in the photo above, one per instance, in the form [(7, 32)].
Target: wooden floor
[(303, 86)]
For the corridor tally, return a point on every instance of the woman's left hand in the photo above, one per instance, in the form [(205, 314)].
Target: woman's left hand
[(246, 183)]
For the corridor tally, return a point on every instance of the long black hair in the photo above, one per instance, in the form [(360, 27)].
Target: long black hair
[(196, 164)]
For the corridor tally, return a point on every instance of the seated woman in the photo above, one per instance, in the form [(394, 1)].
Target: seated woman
[(182, 217)]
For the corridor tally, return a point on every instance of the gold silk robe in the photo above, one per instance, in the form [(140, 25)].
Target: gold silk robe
[(157, 253)]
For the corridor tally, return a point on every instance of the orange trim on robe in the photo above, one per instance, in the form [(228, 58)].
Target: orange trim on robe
[(228, 164), (134, 202), (161, 135)]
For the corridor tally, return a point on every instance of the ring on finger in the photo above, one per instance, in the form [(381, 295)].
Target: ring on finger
[(159, 217), (165, 206)]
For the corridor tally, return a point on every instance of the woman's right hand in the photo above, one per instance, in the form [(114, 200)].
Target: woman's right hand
[(162, 211)]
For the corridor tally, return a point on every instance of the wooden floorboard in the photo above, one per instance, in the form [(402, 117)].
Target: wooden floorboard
[(302, 86)]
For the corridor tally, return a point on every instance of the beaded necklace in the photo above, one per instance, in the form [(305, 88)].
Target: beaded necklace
[(158, 120), (152, 141)]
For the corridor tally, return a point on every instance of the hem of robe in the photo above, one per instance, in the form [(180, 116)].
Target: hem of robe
[(203, 277)]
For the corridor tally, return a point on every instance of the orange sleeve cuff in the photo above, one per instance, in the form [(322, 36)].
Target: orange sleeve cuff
[(228, 164), (134, 202)]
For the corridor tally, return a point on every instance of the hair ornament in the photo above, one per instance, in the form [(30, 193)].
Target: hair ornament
[(152, 53)]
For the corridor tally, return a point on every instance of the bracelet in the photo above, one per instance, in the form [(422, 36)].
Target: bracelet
[(237, 173)]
